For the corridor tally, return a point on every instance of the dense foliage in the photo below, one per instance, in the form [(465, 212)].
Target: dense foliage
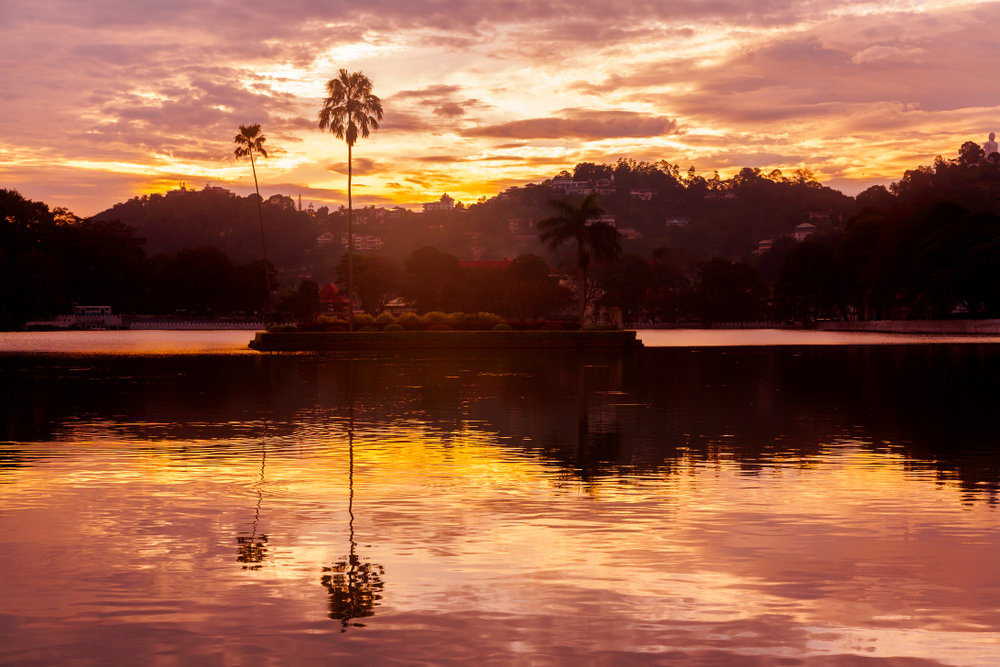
[(927, 246)]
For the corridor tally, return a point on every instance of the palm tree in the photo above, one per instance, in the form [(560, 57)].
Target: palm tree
[(349, 110), (581, 224), (248, 142)]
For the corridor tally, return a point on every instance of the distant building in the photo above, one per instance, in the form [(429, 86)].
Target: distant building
[(332, 301), (325, 238), (630, 233), (804, 231), (607, 219), (514, 225), (363, 242), (764, 246), (677, 222), (446, 203), (571, 187), (214, 190), (644, 195)]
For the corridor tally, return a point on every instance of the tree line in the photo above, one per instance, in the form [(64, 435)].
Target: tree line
[(51, 259)]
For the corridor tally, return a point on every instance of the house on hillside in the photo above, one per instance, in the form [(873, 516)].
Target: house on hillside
[(677, 222), (804, 231), (644, 195), (446, 203)]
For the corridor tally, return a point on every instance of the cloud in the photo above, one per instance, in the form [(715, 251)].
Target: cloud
[(580, 124), (360, 166), (895, 53)]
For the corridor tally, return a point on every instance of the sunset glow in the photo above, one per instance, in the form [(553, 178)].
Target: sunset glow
[(103, 101)]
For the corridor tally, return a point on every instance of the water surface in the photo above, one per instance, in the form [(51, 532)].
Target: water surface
[(796, 504)]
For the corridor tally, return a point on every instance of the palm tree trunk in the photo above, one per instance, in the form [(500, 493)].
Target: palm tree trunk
[(260, 214), (582, 293), (350, 247)]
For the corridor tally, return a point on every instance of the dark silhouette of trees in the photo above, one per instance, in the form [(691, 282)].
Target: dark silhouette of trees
[(350, 110), (810, 286), (729, 292), (593, 238), (627, 283), (250, 141), (377, 280), (432, 279), (527, 289), (303, 301)]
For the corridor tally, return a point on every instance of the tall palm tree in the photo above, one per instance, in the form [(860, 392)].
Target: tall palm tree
[(248, 142), (581, 224), (350, 110)]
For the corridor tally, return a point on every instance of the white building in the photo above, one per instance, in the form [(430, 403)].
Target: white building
[(804, 231), (446, 203)]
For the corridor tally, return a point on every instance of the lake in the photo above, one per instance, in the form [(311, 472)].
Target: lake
[(716, 498)]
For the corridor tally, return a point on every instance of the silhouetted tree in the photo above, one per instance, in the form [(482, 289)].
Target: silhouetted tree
[(431, 279), (350, 110), (729, 292), (377, 280), (250, 141), (581, 224)]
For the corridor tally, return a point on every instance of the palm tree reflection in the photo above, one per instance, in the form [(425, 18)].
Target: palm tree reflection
[(252, 549), (354, 587)]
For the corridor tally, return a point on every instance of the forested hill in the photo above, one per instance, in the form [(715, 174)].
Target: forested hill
[(653, 204), (720, 217), (215, 217)]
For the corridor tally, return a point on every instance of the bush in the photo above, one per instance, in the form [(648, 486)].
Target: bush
[(408, 318), (440, 327), (607, 327), (287, 328), (592, 327), (385, 318), (368, 328), (503, 326), (435, 317), (330, 321), (336, 327), (393, 327), (551, 326), (480, 318), (363, 319)]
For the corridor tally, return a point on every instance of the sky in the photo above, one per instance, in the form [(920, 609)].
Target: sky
[(104, 100)]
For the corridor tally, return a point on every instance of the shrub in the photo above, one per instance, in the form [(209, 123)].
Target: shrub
[(385, 318), (435, 317), (363, 319), (440, 327), (336, 327), (503, 326), (551, 326), (592, 327), (368, 328), (607, 327), (481, 318), (329, 320), (408, 318), (393, 327), (287, 328)]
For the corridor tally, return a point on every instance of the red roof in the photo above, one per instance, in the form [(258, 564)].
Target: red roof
[(485, 263), (331, 294)]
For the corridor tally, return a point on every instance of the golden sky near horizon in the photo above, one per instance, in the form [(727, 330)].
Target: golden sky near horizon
[(104, 100)]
